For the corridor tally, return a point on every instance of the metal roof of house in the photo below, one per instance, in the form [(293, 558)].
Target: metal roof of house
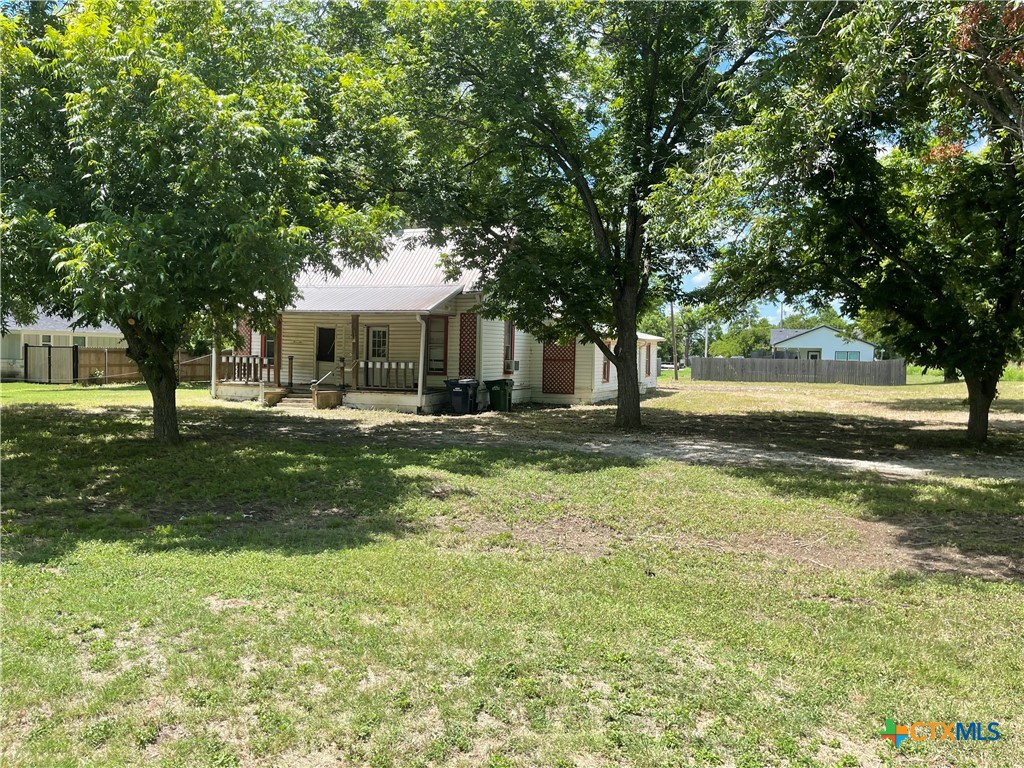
[(411, 263), (54, 324), (373, 298), (649, 337), (779, 335)]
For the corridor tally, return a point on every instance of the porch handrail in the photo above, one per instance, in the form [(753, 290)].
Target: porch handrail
[(388, 374), (338, 365), (247, 368)]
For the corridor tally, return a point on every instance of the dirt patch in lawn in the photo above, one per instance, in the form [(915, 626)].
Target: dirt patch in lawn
[(567, 535), (219, 604), (879, 545), (882, 547)]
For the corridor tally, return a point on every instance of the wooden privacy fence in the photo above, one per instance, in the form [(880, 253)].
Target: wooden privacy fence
[(113, 366), (49, 364), (881, 373)]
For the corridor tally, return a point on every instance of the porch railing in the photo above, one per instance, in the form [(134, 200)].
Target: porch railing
[(401, 375), (247, 368)]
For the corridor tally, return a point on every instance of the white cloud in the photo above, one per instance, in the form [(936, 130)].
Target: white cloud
[(698, 279)]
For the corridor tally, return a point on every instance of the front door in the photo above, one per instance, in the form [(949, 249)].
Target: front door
[(377, 375), (377, 342), (326, 353)]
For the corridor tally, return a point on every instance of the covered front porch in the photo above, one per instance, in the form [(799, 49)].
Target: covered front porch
[(387, 358)]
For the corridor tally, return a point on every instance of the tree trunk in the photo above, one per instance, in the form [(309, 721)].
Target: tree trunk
[(981, 391), (165, 410), (627, 414), (687, 342), (950, 376), (154, 354)]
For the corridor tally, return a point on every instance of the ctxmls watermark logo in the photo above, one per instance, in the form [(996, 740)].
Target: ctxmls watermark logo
[(937, 731)]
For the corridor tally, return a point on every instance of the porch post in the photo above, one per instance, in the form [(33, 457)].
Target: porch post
[(479, 348), (355, 351), (277, 353), (214, 355), (422, 368)]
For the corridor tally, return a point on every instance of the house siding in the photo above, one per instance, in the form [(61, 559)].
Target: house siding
[(298, 333), (603, 390), (829, 343), (491, 348), (298, 338)]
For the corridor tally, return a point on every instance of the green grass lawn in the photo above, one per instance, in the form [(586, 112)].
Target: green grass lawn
[(250, 598)]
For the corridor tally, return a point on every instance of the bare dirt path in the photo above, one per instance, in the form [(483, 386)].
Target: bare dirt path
[(503, 432)]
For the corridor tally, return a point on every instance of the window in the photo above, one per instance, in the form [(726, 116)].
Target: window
[(47, 340), (848, 356), (377, 346), (510, 342), (78, 341), (606, 371), (647, 347), (269, 342), (437, 345)]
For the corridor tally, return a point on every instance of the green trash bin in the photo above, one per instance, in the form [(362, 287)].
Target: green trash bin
[(500, 391)]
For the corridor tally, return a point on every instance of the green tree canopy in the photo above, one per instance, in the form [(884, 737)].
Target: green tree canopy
[(543, 129), (742, 340), (884, 169), (182, 184)]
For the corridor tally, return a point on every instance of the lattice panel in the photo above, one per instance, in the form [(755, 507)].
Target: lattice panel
[(246, 332), (559, 371), (467, 345)]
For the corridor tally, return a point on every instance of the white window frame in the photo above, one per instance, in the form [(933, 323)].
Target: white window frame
[(372, 348), (508, 351), (437, 350)]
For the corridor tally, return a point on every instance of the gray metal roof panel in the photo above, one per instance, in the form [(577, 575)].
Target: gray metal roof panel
[(411, 262), (373, 298)]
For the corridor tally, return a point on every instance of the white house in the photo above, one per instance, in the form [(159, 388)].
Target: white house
[(823, 342), (392, 333), (48, 330)]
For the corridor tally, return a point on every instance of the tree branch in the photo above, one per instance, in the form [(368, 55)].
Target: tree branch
[(572, 166)]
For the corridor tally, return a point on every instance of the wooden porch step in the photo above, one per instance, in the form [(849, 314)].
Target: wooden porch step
[(297, 401)]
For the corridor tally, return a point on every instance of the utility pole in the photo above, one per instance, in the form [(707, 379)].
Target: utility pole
[(706, 330), (675, 351)]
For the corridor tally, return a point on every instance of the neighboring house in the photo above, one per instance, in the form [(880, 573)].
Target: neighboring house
[(48, 330), (403, 328), (823, 342)]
